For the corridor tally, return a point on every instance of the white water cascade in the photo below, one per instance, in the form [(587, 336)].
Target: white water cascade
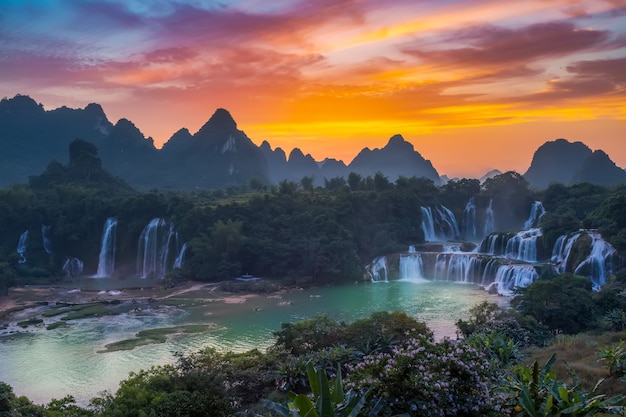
[(73, 267), (490, 222), (598, 265), (106, 260), (378, 269), (468, 223), (438, 224), (22, 245), (523, 246), (178, 262), (153, 251), (509, 277), (561, 251), (536, 213), (457, 267), (411, 268), (45, 238)]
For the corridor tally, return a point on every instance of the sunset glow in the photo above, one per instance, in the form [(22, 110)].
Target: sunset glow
[(473, 85)]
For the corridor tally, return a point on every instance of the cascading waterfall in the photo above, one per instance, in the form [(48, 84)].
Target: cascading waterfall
[(494, 244), (536, 213), (22, 245), (509, 277), (468, 222), (523, 246), (154, 249), (428, 224), (378, 269), (73, 267), (106, 260), (562, 250), (490, 221), (411, 268), (457, 267), (45, 238), (178, 262), (438, 224), (598, 265)]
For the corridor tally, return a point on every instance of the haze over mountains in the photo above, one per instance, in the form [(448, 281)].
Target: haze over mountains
[(220, 154)]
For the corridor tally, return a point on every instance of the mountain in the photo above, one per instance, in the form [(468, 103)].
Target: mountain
[(600, 170), (397, 158), (125, 150), (30, 137), (216, 156), (489, 174), (565, 162)]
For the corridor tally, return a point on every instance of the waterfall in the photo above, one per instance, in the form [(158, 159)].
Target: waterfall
[(562, 250), (469, 219), (411, 268), (45, 238), (378, 269), (523, 246), (22, 245), (490, 222), (153, 249), (428, 224), (489, 273), (536, 213), (457, 267), (106, 260), (178, 262), (411, 249), (599, 262), (438, 224), (509, 277), (73, 267), (494, 244)]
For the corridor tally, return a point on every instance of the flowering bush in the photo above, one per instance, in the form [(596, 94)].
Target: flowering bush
[(425, 378)]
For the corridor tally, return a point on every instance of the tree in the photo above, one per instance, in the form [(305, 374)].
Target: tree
[(354, 181), (563, 303)]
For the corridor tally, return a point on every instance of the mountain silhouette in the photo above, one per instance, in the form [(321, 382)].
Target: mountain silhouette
[(397, 158), (565, 162), (219, 154)]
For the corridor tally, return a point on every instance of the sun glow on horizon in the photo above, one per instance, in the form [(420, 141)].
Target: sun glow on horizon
[(332, 79)]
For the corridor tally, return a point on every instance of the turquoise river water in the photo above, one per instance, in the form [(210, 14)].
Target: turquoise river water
[(45, 364)]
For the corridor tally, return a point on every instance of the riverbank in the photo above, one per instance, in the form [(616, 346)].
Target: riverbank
[(21, 300)]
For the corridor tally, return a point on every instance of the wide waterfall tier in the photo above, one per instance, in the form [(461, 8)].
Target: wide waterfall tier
[(522, 246), (585, 253), (158, 250), (496, 274), (106, 259), (439, 224)]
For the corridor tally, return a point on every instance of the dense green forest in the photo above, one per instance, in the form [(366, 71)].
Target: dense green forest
[(293, 231)]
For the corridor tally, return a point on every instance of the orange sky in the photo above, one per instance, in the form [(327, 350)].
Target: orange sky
[(474, 85)]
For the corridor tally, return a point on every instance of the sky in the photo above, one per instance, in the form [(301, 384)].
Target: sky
[(473, 85)]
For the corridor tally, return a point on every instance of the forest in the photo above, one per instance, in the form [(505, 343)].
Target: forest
[(292, 231), (298, 234)]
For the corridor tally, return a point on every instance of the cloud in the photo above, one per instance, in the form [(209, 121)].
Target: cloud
[(494, 46)]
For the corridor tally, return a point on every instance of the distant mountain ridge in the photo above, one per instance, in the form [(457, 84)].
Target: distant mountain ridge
[(219, 154), (561, 161)]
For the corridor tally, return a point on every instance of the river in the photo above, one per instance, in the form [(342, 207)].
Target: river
[(44, 364)]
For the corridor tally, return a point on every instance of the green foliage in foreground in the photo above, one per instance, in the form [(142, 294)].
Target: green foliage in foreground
[(409, 374)]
